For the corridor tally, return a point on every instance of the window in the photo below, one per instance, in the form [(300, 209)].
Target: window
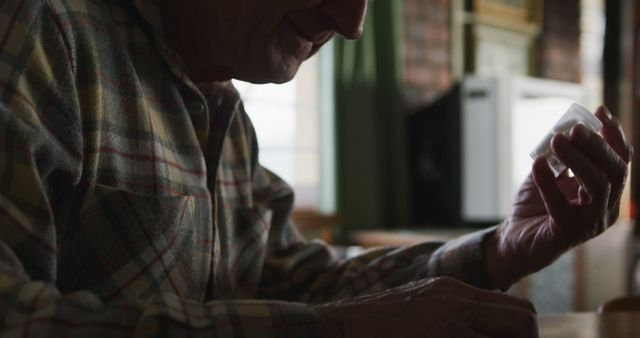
[(293, 123)]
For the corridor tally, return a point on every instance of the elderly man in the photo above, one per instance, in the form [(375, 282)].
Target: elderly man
[(132, 202)]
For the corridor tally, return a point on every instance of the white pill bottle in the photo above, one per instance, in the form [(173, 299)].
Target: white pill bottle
[(576, 114)]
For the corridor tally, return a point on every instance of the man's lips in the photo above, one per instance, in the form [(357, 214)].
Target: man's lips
[(317, 37)]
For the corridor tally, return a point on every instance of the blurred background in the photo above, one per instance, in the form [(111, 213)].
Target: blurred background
[(422, 129)]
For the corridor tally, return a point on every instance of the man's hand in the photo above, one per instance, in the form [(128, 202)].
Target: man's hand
[(439, 308), (552, 215)]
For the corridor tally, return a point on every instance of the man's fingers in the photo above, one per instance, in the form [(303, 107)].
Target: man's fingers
[(491, 297), (613, 134), (602, 154), (445, 285), (591, 178), (500, 320), (416, 293), (554, 199), (413, 291)]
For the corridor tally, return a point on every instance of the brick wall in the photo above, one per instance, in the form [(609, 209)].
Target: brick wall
[(559, 52), (427, 47), (427, 50)]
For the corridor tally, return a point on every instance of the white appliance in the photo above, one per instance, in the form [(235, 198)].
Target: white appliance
[(469, 151)]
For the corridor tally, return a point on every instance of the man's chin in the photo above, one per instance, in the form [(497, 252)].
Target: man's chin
[(275, 59), (270, 74), (282, 77)]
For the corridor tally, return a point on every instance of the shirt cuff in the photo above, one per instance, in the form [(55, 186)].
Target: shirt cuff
[(463, 259)]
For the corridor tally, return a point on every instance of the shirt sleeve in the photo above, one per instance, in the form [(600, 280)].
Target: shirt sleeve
[(37, 309), (40, 158), (307, 271)]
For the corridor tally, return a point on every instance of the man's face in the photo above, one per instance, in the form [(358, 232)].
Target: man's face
[(260, 41)]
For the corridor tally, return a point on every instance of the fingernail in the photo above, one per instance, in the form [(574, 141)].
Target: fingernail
[(578, 131), (560, 140), (542, 164), (606, 110)]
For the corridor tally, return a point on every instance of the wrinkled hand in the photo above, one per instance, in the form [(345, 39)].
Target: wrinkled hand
[(438, 308), (552, 215)]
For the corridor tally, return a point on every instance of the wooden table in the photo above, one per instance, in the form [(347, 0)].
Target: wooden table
[(590, 325)]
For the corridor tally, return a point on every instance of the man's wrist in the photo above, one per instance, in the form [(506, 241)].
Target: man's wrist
[(499, 270)]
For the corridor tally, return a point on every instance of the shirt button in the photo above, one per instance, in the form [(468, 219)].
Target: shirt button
[(195, 108)]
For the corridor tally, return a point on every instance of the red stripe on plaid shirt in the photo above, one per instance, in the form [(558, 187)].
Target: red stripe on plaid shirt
[(148, 158)]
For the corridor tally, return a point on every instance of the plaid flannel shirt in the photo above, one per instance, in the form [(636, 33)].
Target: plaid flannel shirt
[(132, 202)]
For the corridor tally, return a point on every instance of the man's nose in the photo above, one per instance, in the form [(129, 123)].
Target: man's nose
[(348, 16)]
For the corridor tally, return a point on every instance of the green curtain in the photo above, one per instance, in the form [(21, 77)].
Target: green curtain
[(371, 152)]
